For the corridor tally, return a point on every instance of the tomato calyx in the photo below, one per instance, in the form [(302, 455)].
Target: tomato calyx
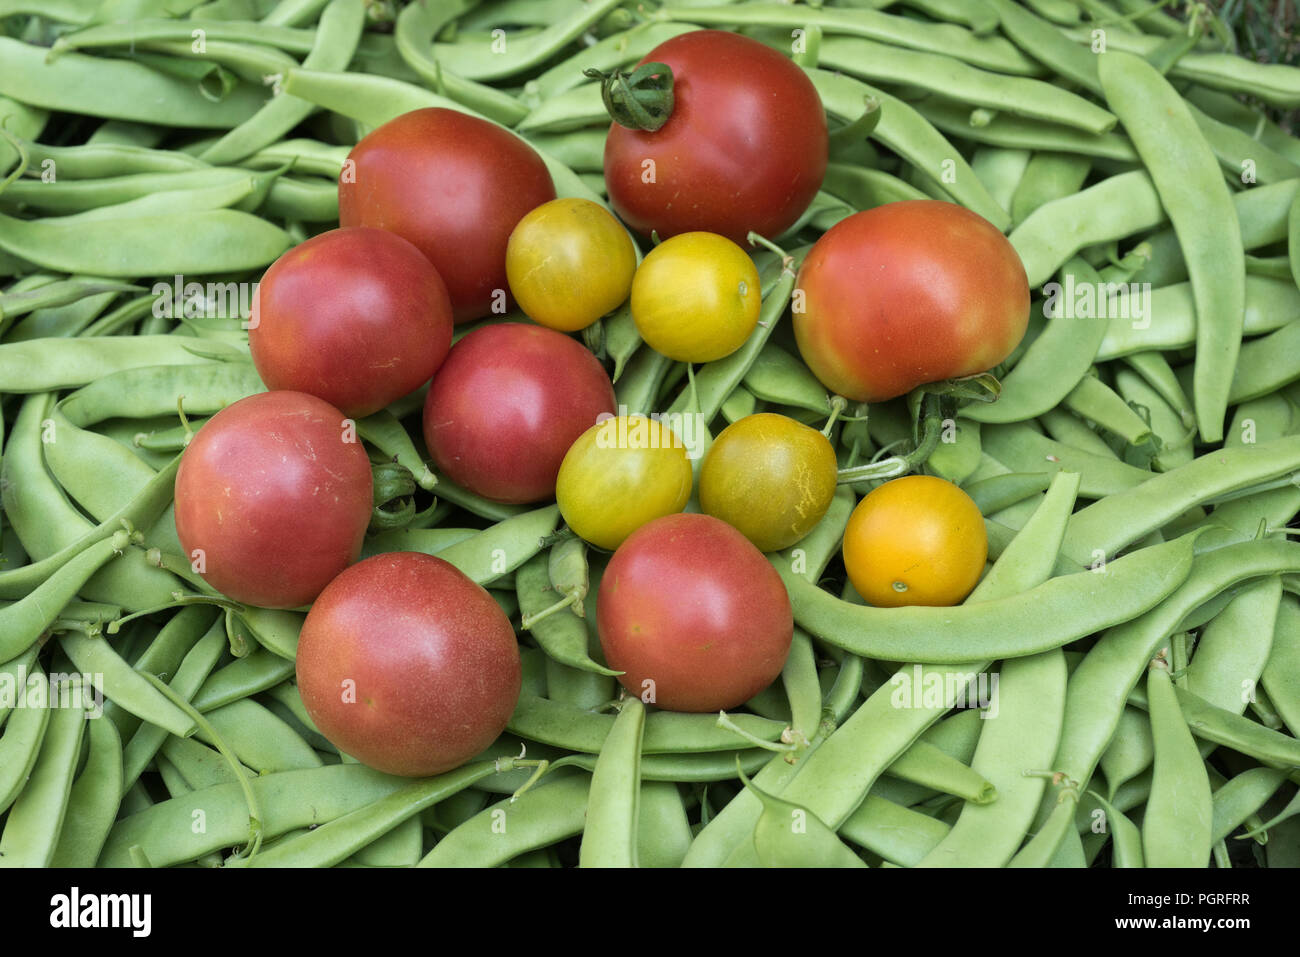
[(640, 100), (981, 387), (933, 409)]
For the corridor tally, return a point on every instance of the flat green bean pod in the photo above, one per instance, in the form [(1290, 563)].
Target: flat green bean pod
[(1099, 686), (289, 800), (495, 57), (911, 135), (555, 809), (20, 744), (1116, 207), (1242, 796), (1176, 827), (93, 801), (990, 53), (609, 835), (335, 840), (31, 831), (1113, 523), (335, 42), (23, 622), (945, 75), (103, 86), (1016, 132), (202, 243), (666, 732), (1048, 616), (1200, 207)]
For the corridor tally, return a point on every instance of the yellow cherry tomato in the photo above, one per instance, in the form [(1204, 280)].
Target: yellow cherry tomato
[(918, 540), (770, 477), (620, 474), (695, 297), (568, 263)]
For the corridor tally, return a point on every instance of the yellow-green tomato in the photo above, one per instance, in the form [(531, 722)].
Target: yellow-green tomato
[(568, 263), (770, 477), (695, 297), (620, 474)]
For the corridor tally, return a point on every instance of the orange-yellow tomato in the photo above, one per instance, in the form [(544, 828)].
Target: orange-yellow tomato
[(918, 540)]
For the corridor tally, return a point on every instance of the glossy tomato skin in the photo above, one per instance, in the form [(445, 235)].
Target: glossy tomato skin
[(916, 540), (569, 262), (507, 404), (357, 316), (696, 297), (908, 293), (744, 148), (453, 185), (621, 474), (689, 604), (770, 477), (273, 497), (430, 660)]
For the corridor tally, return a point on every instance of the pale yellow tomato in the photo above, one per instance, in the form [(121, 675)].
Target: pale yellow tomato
[(695, 297), (620, 474)]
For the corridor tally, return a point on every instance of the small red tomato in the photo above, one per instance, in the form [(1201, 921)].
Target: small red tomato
[(356, 316), (693, 614), (273, 498), (908, 293), (407, 665), (507, 404), (744, 147), (455, 186)]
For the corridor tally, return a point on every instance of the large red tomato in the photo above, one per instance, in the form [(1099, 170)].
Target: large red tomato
[(455, 186), (407, 665), (744, 148), (693, 613), (507, 404), (273, 498), (356, 316), (908, 293)]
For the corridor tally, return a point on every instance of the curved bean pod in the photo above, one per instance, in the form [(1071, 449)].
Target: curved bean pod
[(609, 838), (1192, 190), (93, 802), (1048, 616)]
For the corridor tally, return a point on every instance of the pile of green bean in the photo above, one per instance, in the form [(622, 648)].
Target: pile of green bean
[(1139, 474)]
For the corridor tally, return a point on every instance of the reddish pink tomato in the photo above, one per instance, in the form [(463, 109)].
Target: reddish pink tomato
[(744, 147), (455, 186), (273, 498), (407, 665), (905, 294), (356, 316), (507, 404), (693, 614)]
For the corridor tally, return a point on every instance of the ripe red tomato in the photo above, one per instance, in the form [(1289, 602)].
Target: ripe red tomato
[(908, 293), (744, 148), (407, 665), (455, 186), (273, 498), (507, 404), (693, 614), (356, 316)]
